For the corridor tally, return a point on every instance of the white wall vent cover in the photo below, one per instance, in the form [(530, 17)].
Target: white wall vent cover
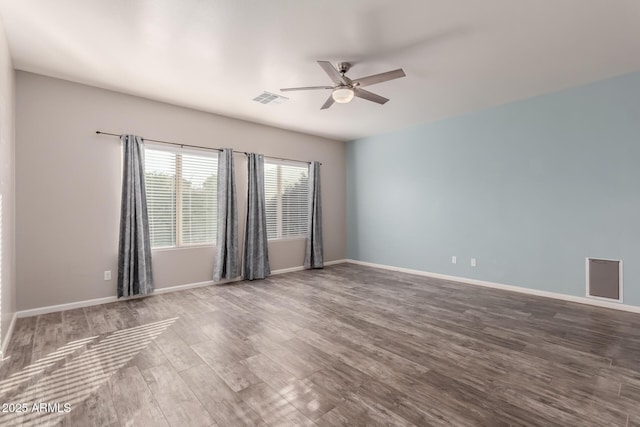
[(270, 98), (604, 279)]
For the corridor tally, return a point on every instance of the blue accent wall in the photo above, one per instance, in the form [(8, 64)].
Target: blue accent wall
[(530, 189)]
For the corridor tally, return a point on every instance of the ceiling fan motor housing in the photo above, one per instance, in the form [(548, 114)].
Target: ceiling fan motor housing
[(343, 67)]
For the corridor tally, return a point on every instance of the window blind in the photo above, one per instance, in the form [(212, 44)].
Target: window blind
[(199, 199), (160, 183), (287, 199), (181, 197)]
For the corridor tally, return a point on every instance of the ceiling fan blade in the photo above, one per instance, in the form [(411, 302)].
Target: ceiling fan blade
[(369, 96), (328, 103), (334, 75), (379, 78), (305, 88)]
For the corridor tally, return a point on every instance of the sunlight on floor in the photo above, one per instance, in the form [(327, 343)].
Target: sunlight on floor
[(35, 368), (56, 384)]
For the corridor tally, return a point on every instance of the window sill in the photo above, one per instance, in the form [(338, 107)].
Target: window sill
[(178, 248), (285, 239)]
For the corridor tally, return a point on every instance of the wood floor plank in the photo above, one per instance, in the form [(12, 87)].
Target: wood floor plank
[(75, 325), (223, 351), (237, 376), (176, 400), (119, 316), (150, 357), (50, 333), (402, 405), (360, 411), (188, 332), (24, 331), (309, 398), (222, 403), (97, 411), (17, 358), (299, 365), (293, 420), (630, 392), (269, 371), (97, 321), (179, 354), (133, 400), (339, 379), (268, 403)]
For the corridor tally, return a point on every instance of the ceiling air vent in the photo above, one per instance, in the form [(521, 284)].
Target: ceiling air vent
[(270, 98)]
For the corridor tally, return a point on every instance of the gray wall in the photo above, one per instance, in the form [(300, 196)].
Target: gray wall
[(7, 186), (530, 189), (68, 186)]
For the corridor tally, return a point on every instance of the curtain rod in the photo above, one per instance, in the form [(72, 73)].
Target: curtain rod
[(199, 146)]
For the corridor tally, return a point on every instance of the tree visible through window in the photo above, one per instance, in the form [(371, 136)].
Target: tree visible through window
[(287, 200), (181, 197)]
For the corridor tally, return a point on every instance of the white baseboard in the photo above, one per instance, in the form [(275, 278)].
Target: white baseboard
[(286, 270), (338, 261), (300, 268), (98, 301), (87, 303), (511, 288), (7, 339), (189, 286), (62, 307)]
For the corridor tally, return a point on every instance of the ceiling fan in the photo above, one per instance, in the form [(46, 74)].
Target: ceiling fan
[(345, 89)]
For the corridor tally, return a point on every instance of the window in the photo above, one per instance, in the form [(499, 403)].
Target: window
[(181, 197), (287, 199)]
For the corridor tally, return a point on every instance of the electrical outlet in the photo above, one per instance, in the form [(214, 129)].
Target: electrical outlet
[(454, 259), (107, 275), (473, 262)]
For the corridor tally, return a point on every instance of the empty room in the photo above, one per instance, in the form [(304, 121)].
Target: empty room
[(319, 213)]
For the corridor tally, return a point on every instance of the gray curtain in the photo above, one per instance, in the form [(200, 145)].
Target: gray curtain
[(226, 265), (313, 255), (255, 258), (134, 249)]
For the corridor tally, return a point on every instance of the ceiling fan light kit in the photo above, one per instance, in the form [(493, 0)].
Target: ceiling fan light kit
[(345, 89), (342, 95)]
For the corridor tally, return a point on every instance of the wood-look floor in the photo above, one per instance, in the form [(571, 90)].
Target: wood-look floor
[(347, 345)]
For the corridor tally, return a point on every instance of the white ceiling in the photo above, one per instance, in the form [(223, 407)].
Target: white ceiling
[(216, 55)]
